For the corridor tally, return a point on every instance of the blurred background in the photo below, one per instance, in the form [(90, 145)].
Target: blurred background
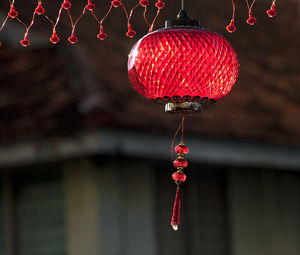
[(85, 161)]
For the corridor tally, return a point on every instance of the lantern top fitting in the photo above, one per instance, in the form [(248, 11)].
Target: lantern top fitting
[(182, 20), (183, 65)]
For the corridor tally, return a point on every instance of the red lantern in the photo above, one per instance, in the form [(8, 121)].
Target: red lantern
[(182, 66), (183, 63)]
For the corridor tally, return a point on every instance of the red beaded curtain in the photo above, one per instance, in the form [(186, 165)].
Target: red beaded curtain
[(251, 19), (90, 7), (188, 64)]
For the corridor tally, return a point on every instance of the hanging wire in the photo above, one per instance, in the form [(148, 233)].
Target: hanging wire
[(250, 5), (182, 4), (181, 126)]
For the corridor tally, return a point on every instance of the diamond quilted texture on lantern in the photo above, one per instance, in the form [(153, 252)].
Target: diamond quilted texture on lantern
[(183, 62)]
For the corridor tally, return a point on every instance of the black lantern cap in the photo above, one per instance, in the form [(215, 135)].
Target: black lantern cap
[(182, 21)]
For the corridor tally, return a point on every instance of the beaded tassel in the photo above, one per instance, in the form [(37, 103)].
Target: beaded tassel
[(180, 163)]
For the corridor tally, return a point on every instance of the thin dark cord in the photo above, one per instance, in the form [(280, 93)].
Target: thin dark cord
[(180, 126)]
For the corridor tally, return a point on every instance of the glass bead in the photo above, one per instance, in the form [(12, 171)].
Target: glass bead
[(180, 163), (177, 176), (182, 149)]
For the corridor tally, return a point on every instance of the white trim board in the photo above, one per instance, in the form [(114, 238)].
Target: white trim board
[(147, 145)]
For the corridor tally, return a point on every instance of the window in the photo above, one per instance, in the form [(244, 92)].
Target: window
[(37, 223), (1, 220)]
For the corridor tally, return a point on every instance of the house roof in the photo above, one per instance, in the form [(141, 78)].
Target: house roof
[(48, 90)]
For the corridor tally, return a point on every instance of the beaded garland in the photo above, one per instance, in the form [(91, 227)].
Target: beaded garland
[(251, 20), (89, 7)]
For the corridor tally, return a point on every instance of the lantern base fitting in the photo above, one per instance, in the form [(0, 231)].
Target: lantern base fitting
[(184, 107)]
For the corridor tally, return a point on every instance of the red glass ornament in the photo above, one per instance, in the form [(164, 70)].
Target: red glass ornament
[(251, 20), (90, 6), (130, 33), (25, 42), (12, 12), (231, 27), (177, 176), (54, 38), (271, 12), (182, 149), (160, 4), (180, 163), (39, 9), (66, 5), (101, 34), (183, 63), (116, 3), (144, 3), (73, 39)]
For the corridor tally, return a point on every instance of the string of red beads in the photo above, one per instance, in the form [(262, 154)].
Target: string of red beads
[(251, 20), (90, 6), (180, 163)]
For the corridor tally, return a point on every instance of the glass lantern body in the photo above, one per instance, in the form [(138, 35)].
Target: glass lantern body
[(183, 64)]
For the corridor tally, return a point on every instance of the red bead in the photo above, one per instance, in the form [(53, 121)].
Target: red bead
[(271, 13), (144, 3), (179, 177), (115, 3), (130, 33), (54, 38), (12, 13), (66, 5), (102, 36), (25, 42), (180, 163), (183, 149), (160, 4), (251, 20), (90, 6), (231, 27), (39, 9), (73, 39)]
